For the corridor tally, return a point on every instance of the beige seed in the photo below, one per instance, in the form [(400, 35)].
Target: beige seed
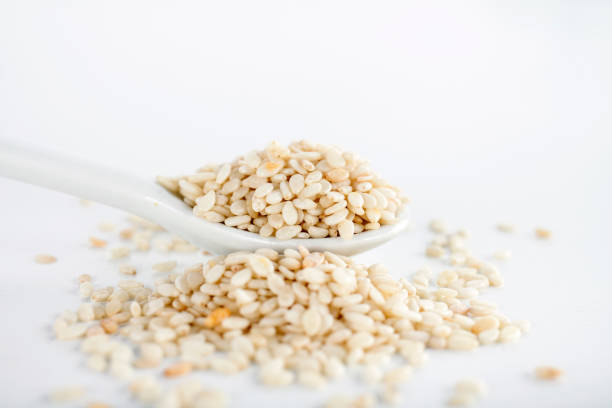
[(178, 369), (127, 233), (97, 404), (371, 374), (472, 386), (261, 265), (85, 289), (113, 307), (523, 325), (164, 266), (543, 233), (237, 220), (485, 323), (121, 370), (296, 183), (506, 227), (304, 204), (346, 229), (223, 365), (97, 242), (434, 251), (135, 309), (252, 159), (207, 201), (67, 394), (289, 213), (233, 323), (97, 363), (488, 336), (278, 378), (71, 332), (263, 190), (223, 173), (391, 396), (119, 252), (288, 232), (269, 168), (398, 375), (214, 274), (310, 191), (336, 217), (109, 326), (548, 373), (334, 158), (163, 335), (311, 379), (45, 259), (334, 368), (106, 226), (355, 199), (503, 255), (509, 334), (127, 270), (461, 342), (361, 340), (437, 226), (86, 312), (462, 399), (84, 278), (311, 322), (337, 175)]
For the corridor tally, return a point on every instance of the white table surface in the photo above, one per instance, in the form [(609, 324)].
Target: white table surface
[(481, 114)]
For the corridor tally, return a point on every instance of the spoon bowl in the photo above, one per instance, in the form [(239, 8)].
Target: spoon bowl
[(151, 201)]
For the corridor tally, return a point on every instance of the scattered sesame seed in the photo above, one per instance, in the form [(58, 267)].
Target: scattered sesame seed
[(506, 227), (96, 404), (119, 252), (67, 394), (437, 226), (300, 316), (549, 373), (178, 369), (45, 259), (164, 266), (106, 226), (543, 233), (127, 270), (503, 255), (84, 278)]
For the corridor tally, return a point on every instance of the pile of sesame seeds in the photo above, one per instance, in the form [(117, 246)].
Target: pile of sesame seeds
[(304, 190), (301, 317)]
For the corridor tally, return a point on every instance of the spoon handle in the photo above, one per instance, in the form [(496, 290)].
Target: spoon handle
[(99, 183), (74, 176)]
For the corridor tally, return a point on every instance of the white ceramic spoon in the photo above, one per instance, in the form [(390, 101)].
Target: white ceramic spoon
[(149, 200)]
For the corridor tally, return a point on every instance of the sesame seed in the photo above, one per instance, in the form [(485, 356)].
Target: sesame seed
[(548, 373), (543, 233), (506, 227), (97, 242), (67, 394), (45, 259), (503, 255)]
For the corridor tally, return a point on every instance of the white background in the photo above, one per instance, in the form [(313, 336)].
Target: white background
[(481, 113)]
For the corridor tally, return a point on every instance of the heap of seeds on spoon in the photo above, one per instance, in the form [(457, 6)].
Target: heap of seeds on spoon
[(304, 190), (301, 317)]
